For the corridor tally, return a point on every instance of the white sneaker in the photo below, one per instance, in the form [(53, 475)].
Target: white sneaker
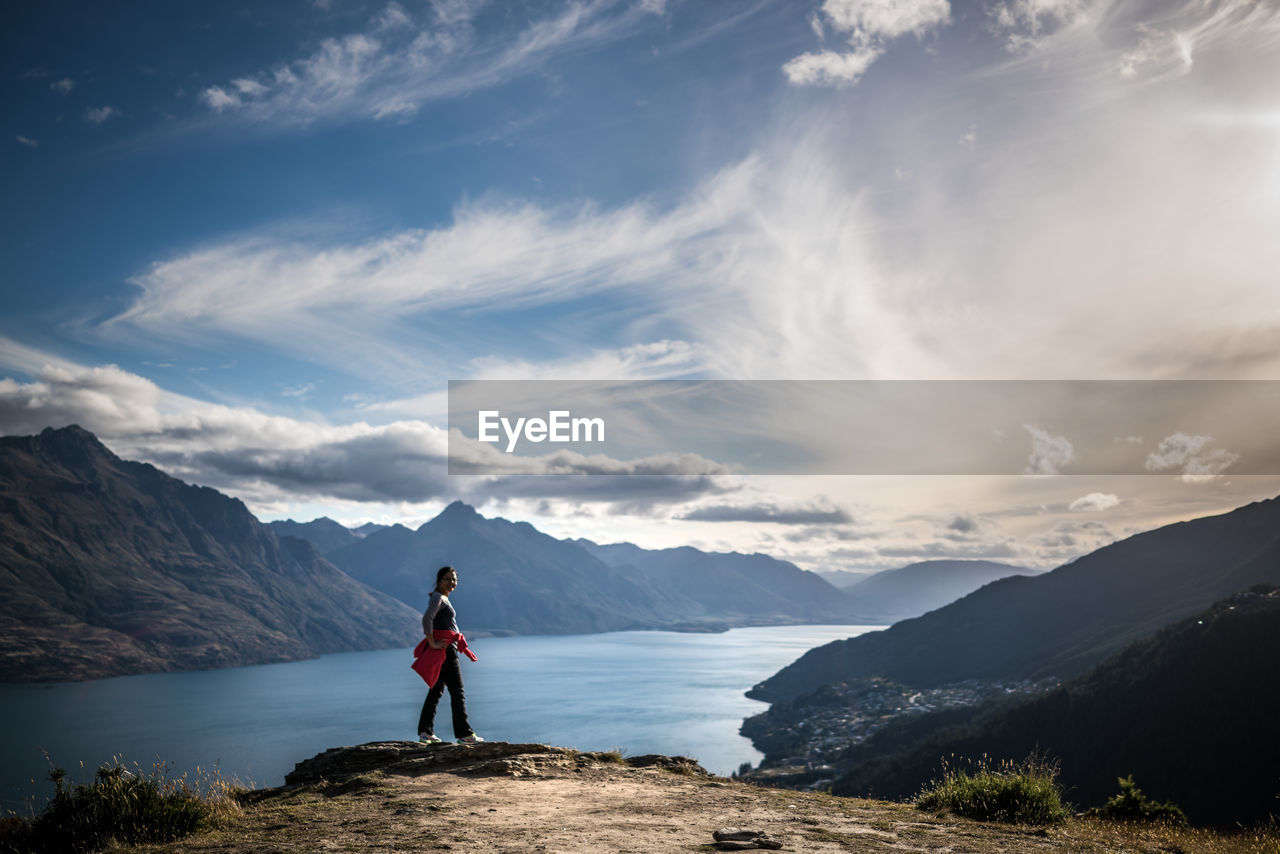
[(429, 738), (470, 739)]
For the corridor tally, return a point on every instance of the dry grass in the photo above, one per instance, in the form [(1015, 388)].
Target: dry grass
[(578, 804)]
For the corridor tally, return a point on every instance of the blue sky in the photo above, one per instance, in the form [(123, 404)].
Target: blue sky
[(253, 244)]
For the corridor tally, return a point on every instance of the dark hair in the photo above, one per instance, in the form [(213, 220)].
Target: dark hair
[(442, 571)]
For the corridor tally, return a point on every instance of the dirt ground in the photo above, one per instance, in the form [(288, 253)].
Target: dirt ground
[(402, 797)]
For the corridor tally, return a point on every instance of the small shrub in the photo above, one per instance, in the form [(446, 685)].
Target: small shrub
[(120, 807), (1130, 804), (613, 756), (1025, 793)]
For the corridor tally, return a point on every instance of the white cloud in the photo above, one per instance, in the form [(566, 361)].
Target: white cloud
[(393, 17), (654, 360), (867, 26), (830, 67), (28, 142), (803, 260), (1095, 501), (62, 86), (766, 272), (1143, 39), (868, 19), (1049, 453), (820, 511), (395, 65), (815, 24), (468, 456), (450, 13), (1168, 48), (218, 98), (248, 87), (98, 115), (1025, 21), (1192, 456), (269, 458), (299, 391), (510, 254)]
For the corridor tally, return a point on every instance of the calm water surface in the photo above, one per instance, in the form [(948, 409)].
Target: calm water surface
[(643, 692)]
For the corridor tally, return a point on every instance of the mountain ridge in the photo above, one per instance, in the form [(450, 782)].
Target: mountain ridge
[(323, 533), (503, 564), (114, 567), (917, 588), (1175, 709), (1061, 622)]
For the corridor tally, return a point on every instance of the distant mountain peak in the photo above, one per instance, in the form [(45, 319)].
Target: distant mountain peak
[(72, 447), (69, 430), (459, 509), (71, 436), (457, 513)]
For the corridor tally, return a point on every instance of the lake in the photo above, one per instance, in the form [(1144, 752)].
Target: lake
[(641, 692)]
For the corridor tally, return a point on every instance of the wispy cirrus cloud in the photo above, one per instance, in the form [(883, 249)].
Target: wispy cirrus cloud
[(715, 270), (405, 58), (1136, 40), (1025, 22), (796, 261)]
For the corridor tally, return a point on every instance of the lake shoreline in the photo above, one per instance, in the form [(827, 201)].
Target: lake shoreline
[(640, 691)]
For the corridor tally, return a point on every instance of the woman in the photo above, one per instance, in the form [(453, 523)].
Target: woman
[(440, 617)]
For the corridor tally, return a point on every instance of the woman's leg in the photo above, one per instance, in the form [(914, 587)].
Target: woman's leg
[(451, 676), (426, 720)]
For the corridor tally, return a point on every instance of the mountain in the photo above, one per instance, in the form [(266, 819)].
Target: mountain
[(1189, 712), (1064, 621), (323, 533), (368, 528), (515, 578), (840, 578), (918, 588), (748, 586), (112, 567)]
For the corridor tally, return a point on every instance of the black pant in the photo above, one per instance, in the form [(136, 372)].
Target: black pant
[(451, 678)]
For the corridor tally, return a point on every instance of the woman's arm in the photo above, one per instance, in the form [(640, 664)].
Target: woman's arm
[(428, 619)]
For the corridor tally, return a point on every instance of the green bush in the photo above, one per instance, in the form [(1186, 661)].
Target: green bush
[(1130, 804), (120, 807), (1025, 793)]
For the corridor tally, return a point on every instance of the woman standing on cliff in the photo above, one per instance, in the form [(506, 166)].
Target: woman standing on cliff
[(440, 617)]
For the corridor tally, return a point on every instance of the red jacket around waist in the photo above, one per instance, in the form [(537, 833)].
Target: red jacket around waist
[(427, 660)]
